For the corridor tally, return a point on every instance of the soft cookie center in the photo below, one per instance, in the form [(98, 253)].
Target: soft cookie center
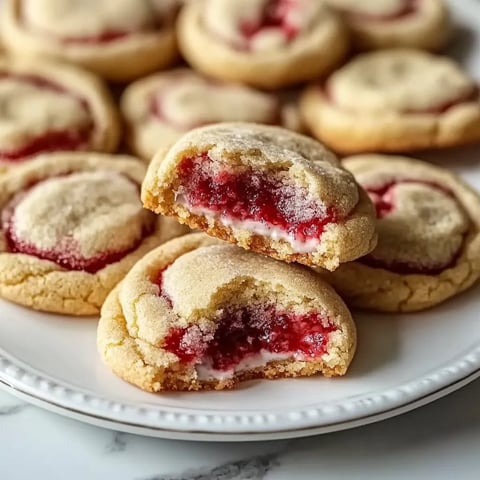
[(37, 116), (96, 21), (192, 103), (421, 226), (81, 221), (250, 199)]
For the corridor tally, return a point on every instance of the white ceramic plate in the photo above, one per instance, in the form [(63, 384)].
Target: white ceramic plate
[(402, 361)]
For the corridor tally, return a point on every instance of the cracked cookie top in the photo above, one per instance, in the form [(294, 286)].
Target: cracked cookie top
[(250, 311), (79, 217), (399, 81), (421, 223), (428, 237), (254, 180)]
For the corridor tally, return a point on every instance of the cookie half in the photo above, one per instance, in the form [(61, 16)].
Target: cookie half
[(197, 313), (394, 100), (119, 40), (72, 225), (428, 237), (378, 24), (265, 43), (266, 189), (160, 108), (48, 107)]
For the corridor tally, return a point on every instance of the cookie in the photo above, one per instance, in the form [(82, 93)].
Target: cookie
[(72, 225), (266, 189), (265, 43), (49, 107), (160, 108), (119, 40), (394, 100), (197, 313), (428, 237), (377, 24)]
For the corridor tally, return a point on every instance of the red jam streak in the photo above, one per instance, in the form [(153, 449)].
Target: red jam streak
[(67, 254), (274, 16), (54, 140), (252, 195), (408, 8), (383, 197), (244, 332)]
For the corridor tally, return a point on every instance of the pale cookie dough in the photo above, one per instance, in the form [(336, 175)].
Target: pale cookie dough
[(266, 189), (72, 225), (47, 106), (120, 40), (160, 108), (197, 313), (428, 237), (265, 43), (394, 100), (378, 24)]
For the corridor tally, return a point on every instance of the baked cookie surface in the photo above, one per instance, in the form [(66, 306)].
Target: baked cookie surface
[(198, 313), (428, 237), (265, 43), (72, 225), (377, 24), (266, 189), (160, 108), (119, 40), (49, 107), (394, 100)]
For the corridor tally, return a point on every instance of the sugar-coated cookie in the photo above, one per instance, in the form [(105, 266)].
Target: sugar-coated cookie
[(158, 109), (265, 43), (266, 189), (423, 24), (198, 313), (394, 100), (428, 237), (120, 40), (47, 107), (72, 225)]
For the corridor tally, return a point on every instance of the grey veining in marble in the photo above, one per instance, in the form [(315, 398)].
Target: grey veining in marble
[(253, 468)]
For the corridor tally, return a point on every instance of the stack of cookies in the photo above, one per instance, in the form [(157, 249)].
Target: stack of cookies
[(287, 237)]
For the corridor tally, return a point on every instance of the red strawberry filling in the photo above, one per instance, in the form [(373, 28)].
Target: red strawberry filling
[(245, 331), (275, 15), (405, 9), (67, 252), (54, 140), (249, 195)]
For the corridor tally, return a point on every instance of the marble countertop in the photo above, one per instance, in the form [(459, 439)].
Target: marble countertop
[(438, 441)]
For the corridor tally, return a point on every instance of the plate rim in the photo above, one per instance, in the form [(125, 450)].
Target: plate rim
[(29, 381), (236, 437)]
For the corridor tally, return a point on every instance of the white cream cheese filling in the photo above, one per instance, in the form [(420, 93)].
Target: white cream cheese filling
[(207, 372), (260, 228)]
